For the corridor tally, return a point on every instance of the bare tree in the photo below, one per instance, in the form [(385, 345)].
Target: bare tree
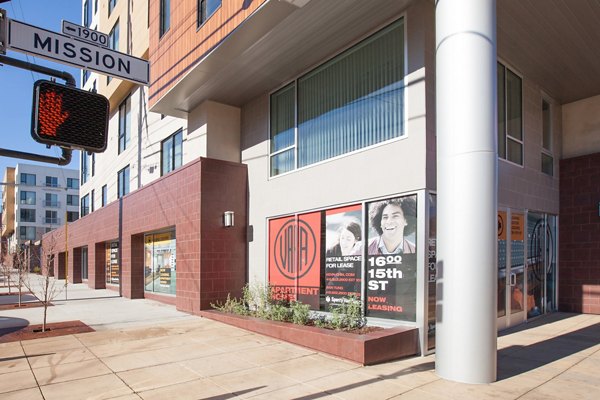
[(44, 287), (21, 264), (6, 270)]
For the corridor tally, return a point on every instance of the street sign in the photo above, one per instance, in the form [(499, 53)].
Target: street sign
[(69, 117), (57, 47), (83, 33)]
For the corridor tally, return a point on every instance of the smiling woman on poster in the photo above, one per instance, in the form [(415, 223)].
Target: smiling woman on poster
[(348, 241), (393, 220)]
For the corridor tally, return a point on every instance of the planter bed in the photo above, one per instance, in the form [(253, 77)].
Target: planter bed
[(366, 349)]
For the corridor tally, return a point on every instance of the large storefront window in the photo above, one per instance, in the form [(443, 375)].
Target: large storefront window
[(112, 262), (160, 262), (320, 258)]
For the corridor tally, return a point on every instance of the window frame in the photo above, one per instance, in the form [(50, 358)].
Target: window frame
[(112, 42), (53, 182), (171, 139), (28, 212), (25, 181), (74, 200), (85, 205), (53, 219), (547, 151), (48, 202), (307, 71), (199, 20), (164, 19), (70, 183), (26, 229), (104, 199), (124, 124), (111, 6), (70, 215), (23, 197), (123, 182), (507, 136)]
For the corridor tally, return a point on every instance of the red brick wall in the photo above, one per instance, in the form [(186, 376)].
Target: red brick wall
[(579, 230), (211, 259)]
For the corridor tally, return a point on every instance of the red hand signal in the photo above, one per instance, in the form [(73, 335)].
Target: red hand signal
[(51, 114)]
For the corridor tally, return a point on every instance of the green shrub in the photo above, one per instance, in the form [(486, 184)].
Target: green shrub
[(232, 306), (279, 312), (300, 313)]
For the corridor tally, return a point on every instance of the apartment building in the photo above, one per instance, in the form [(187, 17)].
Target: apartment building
[(438, 159), (36, 199)]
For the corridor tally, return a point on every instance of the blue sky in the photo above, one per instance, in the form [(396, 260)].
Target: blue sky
[(16, 85)]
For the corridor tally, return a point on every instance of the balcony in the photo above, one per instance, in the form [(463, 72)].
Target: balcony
[(53, 204), (52, 221)]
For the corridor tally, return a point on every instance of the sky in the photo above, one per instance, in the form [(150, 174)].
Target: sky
[(16, 85)]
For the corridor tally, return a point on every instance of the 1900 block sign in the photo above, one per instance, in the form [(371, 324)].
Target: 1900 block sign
[(294, 258)]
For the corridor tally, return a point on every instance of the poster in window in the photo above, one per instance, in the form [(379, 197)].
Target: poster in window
[(341, 271), (391, 263), (295, 258)]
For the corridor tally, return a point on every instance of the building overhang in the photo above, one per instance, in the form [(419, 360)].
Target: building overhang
[(279, 41)]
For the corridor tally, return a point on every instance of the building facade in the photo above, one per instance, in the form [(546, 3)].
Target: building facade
[(36, 200), (362, 154)]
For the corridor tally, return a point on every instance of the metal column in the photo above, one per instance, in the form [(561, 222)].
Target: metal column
[(467, 190)]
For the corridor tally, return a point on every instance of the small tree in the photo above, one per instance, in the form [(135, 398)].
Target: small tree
[(6, 271), (44, 287), (22, 268)]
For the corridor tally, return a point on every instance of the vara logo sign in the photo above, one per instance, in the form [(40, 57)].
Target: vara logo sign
[(295, 249)]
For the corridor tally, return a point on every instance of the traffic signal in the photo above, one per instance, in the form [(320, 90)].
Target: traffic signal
[(69, 117)]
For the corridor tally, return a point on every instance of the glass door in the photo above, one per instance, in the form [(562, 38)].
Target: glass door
[(511, 271), (541, 264), (84, 263)]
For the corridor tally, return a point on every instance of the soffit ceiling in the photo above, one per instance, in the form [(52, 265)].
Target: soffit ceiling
[(552, 42), (556, 42)]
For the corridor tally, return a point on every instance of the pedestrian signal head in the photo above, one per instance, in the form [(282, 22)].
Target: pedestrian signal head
[(69, 117)]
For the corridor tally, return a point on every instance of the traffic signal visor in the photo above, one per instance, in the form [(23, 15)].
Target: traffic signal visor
[(69, 117)]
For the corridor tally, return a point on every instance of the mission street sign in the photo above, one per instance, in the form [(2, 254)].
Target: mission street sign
[(54, 46)]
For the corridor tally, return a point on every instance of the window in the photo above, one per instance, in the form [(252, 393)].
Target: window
[(51, 181), (72, 216), (28, 179), (52, 217), (123, 182), (72, 200), (353, 101), (51, 200), (510, 116), (113, 36), (124, 124), (27, 215), (206, 8), (172, 154), (95, 6), (165, 16), (160, 262), (85, 173), (111, 5), (72, 183), (87, 14), (547, 158), (92, 200), (27, 198), (93, 164), (104, 195), (27, 232), (85, 76), (85, 205)]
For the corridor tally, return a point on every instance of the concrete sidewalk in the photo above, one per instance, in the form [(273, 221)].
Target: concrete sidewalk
[(146, 350)]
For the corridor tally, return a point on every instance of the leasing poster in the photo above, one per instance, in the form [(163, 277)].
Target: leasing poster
[(295, 258), (391, 263), (341, 271)]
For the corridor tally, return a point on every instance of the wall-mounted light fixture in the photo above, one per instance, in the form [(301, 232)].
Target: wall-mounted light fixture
[(228, 219)]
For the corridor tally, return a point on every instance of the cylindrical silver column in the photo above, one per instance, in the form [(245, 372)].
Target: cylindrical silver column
[(467, 190)]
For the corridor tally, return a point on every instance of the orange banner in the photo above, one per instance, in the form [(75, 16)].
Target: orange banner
[(501, 225)]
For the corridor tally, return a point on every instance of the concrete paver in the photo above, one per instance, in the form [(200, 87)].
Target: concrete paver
[(147, 350)]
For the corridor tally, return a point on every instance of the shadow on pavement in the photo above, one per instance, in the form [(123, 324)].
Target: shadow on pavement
[(10, 325)]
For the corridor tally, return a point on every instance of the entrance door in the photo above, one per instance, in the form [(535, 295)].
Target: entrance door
[(511, 271), (84, 263), (541, 264)]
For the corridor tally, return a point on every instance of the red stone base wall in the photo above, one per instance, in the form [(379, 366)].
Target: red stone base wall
[(579, 235), (211, 259)]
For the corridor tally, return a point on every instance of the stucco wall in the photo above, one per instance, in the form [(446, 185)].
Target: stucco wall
[(581, 126)]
